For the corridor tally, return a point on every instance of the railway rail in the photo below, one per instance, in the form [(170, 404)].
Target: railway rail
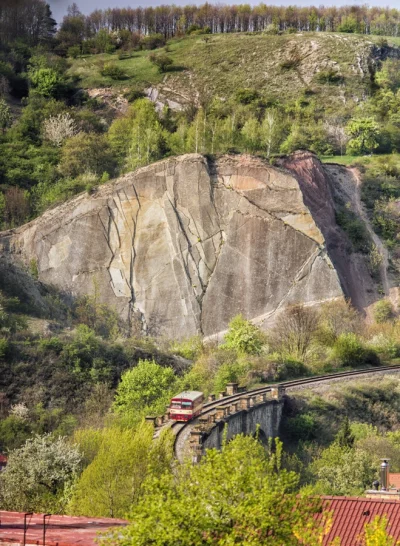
[(182, 430)]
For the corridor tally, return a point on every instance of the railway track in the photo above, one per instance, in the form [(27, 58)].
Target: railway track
[(182, 430)]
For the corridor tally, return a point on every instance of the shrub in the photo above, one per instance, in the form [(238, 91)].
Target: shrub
[(229, 373), (243, 336), (348, 350), (290, 369), (153, 41), (134, 94), (189, 348), (74, 51), (383, 311), (328, 76), (162, 61), (302, 427), (111, 70), (110, 49), (354, 228), (246, 96)]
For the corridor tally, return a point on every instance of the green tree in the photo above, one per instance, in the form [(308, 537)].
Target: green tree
[(39, 475), (112, 482), (238, 495), (344, 471), (137, 138), (363, 134), (87, 153), (143, 388), (251, 135), (46, 82), (244, 337), (197, 134), (345, 438), (5, 115)]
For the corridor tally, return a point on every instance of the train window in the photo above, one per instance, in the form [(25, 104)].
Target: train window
[(176, 405), (186, 404)]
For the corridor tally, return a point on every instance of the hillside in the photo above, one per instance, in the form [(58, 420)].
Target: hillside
[(281, 68)]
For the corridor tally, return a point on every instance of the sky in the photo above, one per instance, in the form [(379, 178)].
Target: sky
[(59, 7)]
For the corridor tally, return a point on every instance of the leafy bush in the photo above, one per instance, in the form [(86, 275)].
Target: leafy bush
[(354, 228), (113, 71), (244, 337), (74, 51), (229, 373), (302, 427), (328, 76), (383, 311), (38, 475), (162, 61), (290, 369), (86, 153), (134, 94), (348, 350), (189, 348), (246, 96), (47, 82)]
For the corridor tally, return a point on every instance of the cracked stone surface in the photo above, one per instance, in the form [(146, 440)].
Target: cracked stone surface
[(183, 245)]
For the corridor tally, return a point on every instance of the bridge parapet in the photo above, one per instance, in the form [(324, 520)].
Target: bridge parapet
[(248, 414)]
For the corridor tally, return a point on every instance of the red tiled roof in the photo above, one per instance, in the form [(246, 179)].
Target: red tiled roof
[(350, 514), (60, 530)]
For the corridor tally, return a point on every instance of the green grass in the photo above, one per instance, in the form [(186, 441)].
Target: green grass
[(228, 62), (341, 159), (137, 68)]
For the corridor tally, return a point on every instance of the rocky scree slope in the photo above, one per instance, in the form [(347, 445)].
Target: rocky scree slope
[(183, 245)]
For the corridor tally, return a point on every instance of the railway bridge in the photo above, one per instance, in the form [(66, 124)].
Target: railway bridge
[(238, 411)]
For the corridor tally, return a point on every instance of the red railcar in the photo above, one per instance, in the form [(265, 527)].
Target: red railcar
[(186, 405)]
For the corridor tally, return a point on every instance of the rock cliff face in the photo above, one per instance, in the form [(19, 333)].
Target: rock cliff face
[(183, 245)]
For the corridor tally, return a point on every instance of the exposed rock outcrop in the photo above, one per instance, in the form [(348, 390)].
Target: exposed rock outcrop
[(185, 244)]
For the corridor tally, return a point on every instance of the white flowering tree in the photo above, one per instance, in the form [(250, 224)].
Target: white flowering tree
[(39, 475), (58, 128)]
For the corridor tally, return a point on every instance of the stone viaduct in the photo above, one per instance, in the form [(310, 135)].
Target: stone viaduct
[(249, 413)]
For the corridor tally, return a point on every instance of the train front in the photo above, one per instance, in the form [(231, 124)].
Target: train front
[(186, 405)]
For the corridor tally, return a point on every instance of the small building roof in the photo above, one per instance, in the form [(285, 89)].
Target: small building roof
[(60, 530), (3, 459), (188, 395), (350, 514)]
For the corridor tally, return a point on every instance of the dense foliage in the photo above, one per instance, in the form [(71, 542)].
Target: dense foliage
[(169, 21)]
